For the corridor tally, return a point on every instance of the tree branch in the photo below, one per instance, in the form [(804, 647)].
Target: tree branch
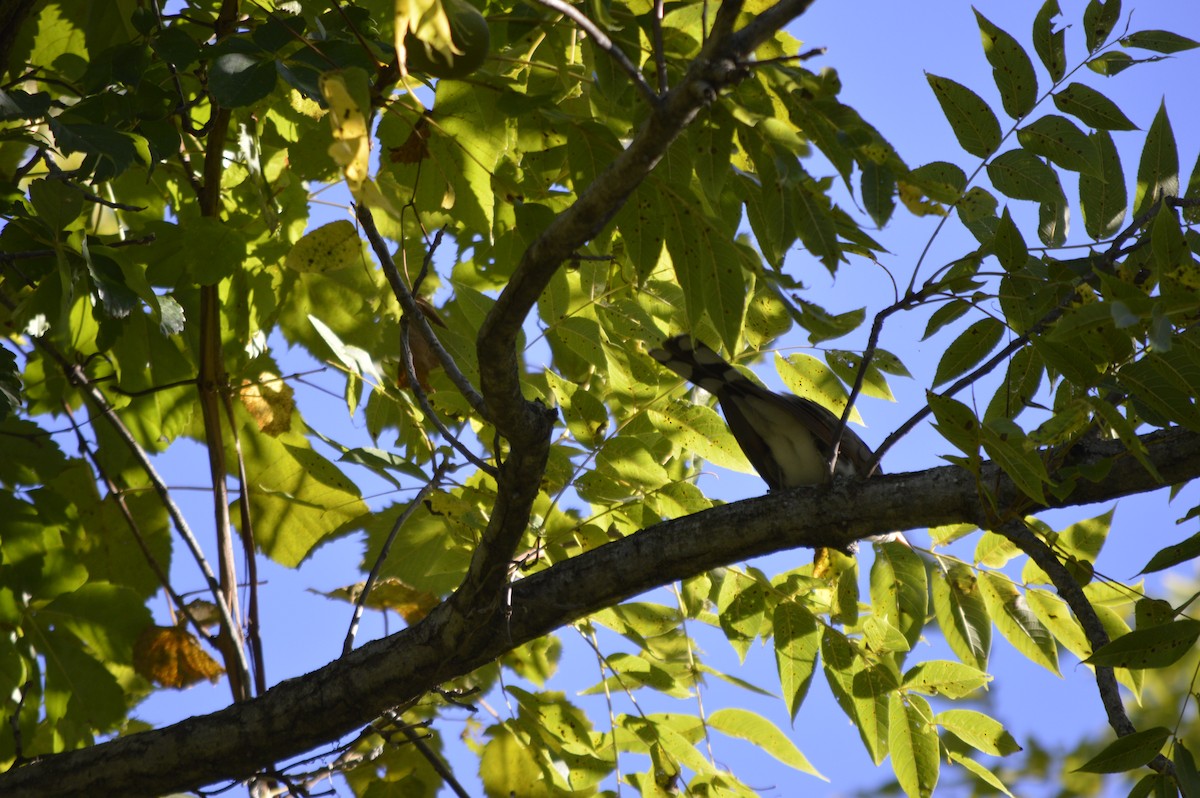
[(299, 714), (527, 425), (1085, 613)]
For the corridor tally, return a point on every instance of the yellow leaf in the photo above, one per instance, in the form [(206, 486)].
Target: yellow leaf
[(351, 147)]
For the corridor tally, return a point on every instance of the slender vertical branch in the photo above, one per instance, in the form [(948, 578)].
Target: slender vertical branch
[(1070, 591), (253, 618)]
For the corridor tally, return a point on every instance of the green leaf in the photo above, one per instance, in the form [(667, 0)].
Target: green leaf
[(805, 375), (1048, 43), (913, 744), (797, 640), (1129, 752), (1158, 381), (1057, 618), (861, 692), (10, 383), (1009, 246), (56, 202), (356, 360), (1017, 623), (1160, 41), (509, 766), (956, 423), (1153, 647), (977, 209), (1098, 20), (1185, 770), (238, 79), (823, 325), (1158, 170), (946, 314), (210, 250), (979, 771), (968, 350), (1102, 198), (878, 186), (1011, 69), (1057, 138), (297, 497), (328, 248), (92, 696), (953, 680), (1173, 555), (699, 429), (1021, 175), (815, 224), (899, 592), (979, 731), (1053, 222), (741, 607), (1092, 108), (1022, 381), (709, 267), (962, 614), (1006, 444), (628, 461), (750, 726), (847, 365), (940, 180), (973, 123)]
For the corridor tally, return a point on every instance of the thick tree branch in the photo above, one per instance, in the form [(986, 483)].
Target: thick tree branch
[(299, 714), (527, 425)]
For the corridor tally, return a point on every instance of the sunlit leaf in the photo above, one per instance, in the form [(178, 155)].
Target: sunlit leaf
[(797, 641), (978, 731), (962, 614), (761, 732), (1016, 622), (913, 744)]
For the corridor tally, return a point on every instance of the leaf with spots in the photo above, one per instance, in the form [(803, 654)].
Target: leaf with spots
[(1153, 647), (1011, 69)]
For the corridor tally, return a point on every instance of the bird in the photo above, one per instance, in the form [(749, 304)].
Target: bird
[(787, 438)]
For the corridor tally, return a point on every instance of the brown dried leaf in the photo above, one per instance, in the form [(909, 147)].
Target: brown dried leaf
[(413, 150), (269, 402), (172, 657), (424, 359)]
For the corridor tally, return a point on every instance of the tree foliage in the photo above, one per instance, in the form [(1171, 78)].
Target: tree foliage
[(612, 173)]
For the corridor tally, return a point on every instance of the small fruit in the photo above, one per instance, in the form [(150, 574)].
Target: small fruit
[(468, 31)]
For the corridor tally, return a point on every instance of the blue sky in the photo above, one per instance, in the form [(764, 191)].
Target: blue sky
[(881, 49)]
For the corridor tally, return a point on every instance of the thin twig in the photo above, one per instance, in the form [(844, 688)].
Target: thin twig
[(103, 409), (924, 412), (660, 57), (361, 602), (606, 44), (118, 497), (76, 375), (414, 384), (253, 624), (409, 305), (434, 760)]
